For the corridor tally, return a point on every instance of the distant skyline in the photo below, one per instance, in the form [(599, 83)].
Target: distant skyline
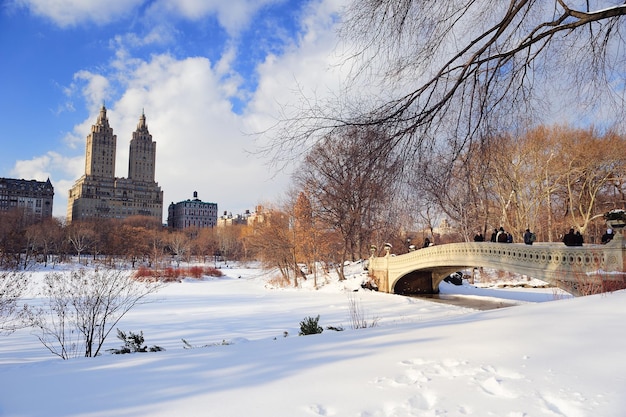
[(207, 75)]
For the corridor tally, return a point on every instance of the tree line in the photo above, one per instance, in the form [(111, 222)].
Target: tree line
[(25, 240), (352, 194)]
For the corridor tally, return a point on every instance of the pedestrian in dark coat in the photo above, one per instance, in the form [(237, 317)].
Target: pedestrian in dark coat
[(529, 237), (578, 239), (569, 239), (608, 236)]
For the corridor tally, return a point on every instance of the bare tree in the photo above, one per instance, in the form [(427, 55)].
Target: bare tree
[(441, 76), (305, 234), (47, 236), (157, 242), (554, 177), (350, 180), (179, 245), (13, 240), (593, 169), (273, 242), (230, 240), (81, 235), (82, 307)]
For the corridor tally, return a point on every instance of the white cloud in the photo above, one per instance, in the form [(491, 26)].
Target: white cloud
[(41, 167), (96, 89), (160, 34), (308, 68), (233, 15), (200, 144), (67, 13)]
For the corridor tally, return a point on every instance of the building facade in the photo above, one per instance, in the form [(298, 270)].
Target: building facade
[(98, 193), (35, 197), (192, 213), (246, 219)]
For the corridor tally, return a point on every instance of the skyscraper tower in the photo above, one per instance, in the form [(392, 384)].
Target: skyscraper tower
[(100, 149), (142, 157), (100, 194)]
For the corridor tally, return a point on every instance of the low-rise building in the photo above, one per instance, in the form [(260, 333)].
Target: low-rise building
[(35, 197), (192, 213), (246, 219)]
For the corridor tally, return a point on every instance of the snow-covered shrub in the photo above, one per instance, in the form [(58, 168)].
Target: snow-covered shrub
[(133, 342), (310, 326)]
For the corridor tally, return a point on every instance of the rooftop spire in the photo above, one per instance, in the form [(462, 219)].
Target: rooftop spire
[(142, 126), (102, 117)]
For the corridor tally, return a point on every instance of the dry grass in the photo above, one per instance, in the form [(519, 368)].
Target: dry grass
[(279, 281), (176, 274)]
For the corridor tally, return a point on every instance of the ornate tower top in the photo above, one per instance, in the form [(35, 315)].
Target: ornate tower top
[(142, 127), (142, 156), (102, 117)]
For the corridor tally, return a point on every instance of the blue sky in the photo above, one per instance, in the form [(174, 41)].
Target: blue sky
[(207, 73)]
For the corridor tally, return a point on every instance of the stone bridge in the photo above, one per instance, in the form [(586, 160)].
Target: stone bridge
[(579, 270)]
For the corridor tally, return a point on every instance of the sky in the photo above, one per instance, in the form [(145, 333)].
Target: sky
[(549, 356), (209, 76)]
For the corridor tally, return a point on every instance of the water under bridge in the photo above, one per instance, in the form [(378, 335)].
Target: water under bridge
[(580, 270)]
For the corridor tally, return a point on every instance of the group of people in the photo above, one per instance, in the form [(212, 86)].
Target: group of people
[(570, 239), (576, 239), (573, 239), (501, 236), (498, 235)]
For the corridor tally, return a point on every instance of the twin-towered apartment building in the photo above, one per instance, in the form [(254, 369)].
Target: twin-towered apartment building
[(98, 193)]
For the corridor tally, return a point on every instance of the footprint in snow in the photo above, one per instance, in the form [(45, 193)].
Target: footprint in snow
[(320, 410)]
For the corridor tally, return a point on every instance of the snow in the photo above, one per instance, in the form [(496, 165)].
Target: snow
[(550, 355)]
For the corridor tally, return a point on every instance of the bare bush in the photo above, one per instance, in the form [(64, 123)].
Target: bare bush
[(357, 315), (81, 308), (176, 274), (12, 286)]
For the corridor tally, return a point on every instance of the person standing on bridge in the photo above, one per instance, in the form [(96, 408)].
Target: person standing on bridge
[(578, 239), (502, 236), (529, 237), (608, 236), (494, 235), (570, 238)]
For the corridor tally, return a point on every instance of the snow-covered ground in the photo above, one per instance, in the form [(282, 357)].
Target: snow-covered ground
[(551, 355)]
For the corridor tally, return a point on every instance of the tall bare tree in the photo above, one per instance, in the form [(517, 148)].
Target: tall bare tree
[(304, 231), (47, 236), (81, 235), (273, 242), (551, 178), (437, 77), (350, 180)]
